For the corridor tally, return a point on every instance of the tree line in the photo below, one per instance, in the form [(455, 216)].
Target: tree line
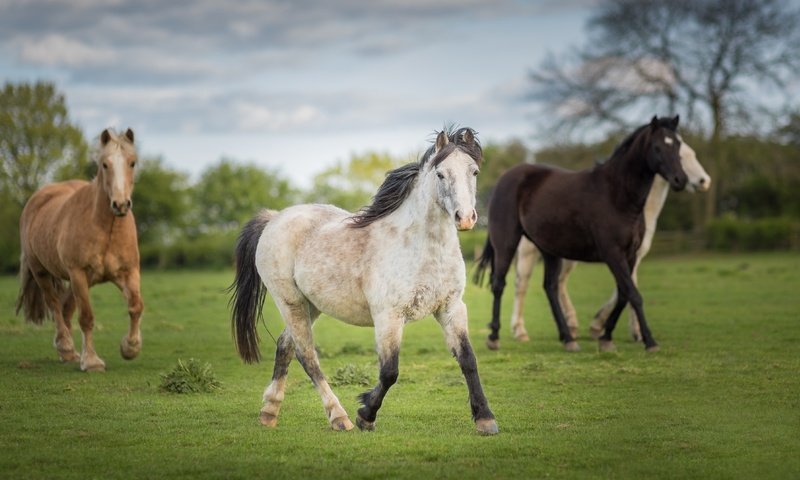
[(183, 223)]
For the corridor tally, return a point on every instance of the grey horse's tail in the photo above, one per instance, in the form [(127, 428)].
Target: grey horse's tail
[(31, 299), (248, 290), (486, 260)]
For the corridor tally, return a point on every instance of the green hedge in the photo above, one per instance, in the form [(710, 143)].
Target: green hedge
[(208, 251), (731, 234)]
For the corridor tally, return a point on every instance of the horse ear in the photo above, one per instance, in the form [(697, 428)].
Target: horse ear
[(675, 121), (654, 122), (468, 136), (441, 140), (105, 137), (129, 135)]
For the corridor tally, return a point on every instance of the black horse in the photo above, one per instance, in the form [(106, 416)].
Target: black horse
[(593, 215)]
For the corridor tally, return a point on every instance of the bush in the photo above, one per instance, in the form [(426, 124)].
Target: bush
[(214, 250), (351, 375), (731, 234), (189, 377)]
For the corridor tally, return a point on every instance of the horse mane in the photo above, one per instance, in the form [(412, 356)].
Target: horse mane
[(625, 145), (97, 147), (399, 182)]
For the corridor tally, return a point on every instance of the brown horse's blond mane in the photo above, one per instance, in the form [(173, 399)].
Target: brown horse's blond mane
[(99, 147)]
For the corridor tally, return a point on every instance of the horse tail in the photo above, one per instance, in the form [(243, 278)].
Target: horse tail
[(248, 290), (486, 260), (31, 296)]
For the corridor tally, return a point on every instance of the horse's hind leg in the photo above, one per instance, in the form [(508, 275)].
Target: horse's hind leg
[(57, 301), (388, 334), (90, 362), (503, 255), (552, 270), (298, 321), (67, 310), (131, 344), (273, 394), (453, 319)]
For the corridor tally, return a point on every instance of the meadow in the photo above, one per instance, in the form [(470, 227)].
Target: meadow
[(720, 400)]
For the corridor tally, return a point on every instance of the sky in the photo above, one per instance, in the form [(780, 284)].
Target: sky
[(290, 85)]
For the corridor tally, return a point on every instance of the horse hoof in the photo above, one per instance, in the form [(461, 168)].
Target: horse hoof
[(493, 344), (365, 425), (607, 346), (69, 357), (342, 423), (268, 419), (652, 348), (487, 426), (94, 367), (522, 337), (572, 346), (596, 332), (573, 332), (129, 350)]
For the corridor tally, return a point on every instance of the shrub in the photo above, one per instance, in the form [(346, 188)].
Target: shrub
[(731, 234), (189, 377), (351, 375)]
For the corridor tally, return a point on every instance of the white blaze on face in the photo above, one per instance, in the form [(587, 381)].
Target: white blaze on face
[(668, 140), (698, 178), (457, 187), (117, 160)]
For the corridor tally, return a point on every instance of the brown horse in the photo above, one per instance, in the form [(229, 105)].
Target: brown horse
[(83, 233)]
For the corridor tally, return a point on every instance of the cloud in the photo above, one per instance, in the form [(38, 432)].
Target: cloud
[(59, 50), (257, 118)]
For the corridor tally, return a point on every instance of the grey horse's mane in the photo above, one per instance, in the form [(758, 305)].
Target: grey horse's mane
[(400, 181)]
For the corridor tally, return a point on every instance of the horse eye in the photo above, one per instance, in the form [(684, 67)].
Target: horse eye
[(105, 166), (440, 175), (475, 173), (133, 164)]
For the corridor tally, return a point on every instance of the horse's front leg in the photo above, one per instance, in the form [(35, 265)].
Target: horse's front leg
[(567, 266), (131, 343), (627, 292), (633, 319), (527, 256), (453, 320), (388, 335), (90, 362)]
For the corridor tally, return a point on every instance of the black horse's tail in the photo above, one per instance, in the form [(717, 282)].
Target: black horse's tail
[(248, 290), (486, 261)]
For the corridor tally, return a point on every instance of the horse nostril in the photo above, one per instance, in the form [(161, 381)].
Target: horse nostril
[(458, 216), (114, 205), (128, 204), (702, 181)]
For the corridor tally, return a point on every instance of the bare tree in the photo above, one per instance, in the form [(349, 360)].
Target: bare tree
[(716, 62)]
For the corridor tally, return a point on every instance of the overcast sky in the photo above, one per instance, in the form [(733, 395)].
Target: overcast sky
[(295, 85)]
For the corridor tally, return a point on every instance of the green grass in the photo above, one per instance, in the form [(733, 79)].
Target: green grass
[(720, 400)]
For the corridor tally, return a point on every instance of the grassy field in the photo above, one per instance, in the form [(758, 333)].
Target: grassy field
[(720, 400)]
